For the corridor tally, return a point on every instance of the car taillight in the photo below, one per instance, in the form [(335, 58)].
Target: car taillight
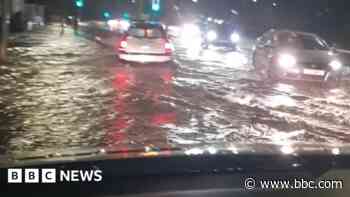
[(168, 47), (123, 44)]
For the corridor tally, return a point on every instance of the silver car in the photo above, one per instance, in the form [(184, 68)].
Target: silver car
[(145, 42)]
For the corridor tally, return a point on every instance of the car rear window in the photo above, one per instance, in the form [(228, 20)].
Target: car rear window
[(144, 32)]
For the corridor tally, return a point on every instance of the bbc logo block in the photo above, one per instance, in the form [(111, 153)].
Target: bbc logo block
[(31, 175), (48, 175), (14, 175)]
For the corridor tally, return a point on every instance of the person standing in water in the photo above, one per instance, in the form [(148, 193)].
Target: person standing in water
[(62, 26)]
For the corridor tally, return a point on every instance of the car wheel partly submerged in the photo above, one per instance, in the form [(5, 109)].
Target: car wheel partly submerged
[(273, 74), (205, 46), (333, 82), (234, 47), (266, 71), (258, 67), (254, 61)]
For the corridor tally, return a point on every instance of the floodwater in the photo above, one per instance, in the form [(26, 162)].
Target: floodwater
[(65, 91)]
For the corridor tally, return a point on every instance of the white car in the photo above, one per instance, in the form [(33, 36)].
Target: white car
[(145, 42)]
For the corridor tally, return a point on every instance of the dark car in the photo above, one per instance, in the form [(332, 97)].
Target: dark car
[(220, 34), (283, 54)]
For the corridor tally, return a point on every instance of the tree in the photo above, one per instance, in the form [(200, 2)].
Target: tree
[(5, 21)]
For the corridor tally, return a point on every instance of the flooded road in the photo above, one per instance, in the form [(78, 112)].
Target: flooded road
[(68, 92)]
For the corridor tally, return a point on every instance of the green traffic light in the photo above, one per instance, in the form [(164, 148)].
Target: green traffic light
[(79, 3), (126, 16), (156, 5), (106, 14)]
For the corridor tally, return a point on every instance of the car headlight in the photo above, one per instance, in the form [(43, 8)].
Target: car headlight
[(124, 25), (211, 35), (335, 64), (190, 30), (287, 61), (235, 37)]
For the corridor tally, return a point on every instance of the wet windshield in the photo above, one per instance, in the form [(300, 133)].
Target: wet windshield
[(69, 78)]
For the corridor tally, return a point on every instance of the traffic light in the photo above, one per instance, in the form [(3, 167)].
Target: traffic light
[(156, 5), (126, 16), (79, 3), (107, 14)]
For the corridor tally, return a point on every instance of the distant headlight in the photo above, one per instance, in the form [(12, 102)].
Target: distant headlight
[(335, 64), (191, 30), (287, 61), (235, 37), (211, 35), (113, 24), (191, 36), (124, 25)]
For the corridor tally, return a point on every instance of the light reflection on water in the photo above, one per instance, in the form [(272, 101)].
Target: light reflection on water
[(51, 100)]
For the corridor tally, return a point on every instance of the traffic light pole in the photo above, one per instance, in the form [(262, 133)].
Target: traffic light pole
[(5, 21), (141, 9), (78, 15), (79, 4)]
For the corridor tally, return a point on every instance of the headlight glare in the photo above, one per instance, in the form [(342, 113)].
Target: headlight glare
[(287, 61), (335, 64), (235, 37), (211, 35), (190, 30)]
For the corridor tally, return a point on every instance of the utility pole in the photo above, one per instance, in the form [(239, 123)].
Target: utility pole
[(141, 9), (79, 5), (5, 21)]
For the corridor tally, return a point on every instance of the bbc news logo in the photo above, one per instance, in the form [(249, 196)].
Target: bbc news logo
[(52, 176)]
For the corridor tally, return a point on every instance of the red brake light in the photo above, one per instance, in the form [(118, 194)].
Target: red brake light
[(168, 47), (123, 44)]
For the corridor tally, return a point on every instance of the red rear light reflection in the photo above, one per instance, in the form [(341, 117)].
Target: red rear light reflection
[(122, 81), (168, 47), (166, 118)]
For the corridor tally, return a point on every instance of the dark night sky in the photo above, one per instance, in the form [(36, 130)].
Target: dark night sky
[(289, 8), (326, 17), (212, 6)]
